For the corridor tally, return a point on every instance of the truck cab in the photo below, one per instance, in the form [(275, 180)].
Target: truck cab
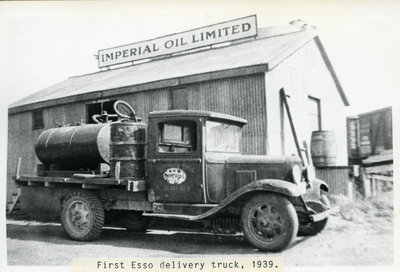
[(180, 148), (194, 157)]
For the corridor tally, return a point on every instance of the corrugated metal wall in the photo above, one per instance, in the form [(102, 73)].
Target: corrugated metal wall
[(240, 96), (338, 179)]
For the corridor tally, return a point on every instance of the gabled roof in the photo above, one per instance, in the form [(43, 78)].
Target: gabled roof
[(261, 54)]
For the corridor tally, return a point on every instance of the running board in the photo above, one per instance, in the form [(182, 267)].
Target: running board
[(173, 216), (182, 211)]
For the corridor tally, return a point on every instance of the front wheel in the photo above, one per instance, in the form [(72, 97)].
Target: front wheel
[(82, 216), (269, 222)]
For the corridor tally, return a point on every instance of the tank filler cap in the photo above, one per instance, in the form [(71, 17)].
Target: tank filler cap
[(125, 111)]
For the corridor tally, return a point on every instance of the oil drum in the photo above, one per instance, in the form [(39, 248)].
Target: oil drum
[(74, 147), (323, 148), (128, 147)]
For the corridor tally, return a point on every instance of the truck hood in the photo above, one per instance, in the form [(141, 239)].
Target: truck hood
[(256, 167)]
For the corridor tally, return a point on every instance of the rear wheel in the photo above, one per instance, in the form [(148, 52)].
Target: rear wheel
[(82, 216), (269, 222)]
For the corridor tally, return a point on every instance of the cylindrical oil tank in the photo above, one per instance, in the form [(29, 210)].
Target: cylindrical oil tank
[(74, 147), (128, 147), (323, 148)]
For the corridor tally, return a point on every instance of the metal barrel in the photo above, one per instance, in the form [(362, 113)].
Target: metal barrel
[(323, 148), (82, 146), (128, 146)]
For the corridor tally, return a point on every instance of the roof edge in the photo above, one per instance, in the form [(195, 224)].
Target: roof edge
[(292, 49), (159, 84)]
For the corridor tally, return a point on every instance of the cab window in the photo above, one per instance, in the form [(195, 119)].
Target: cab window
[(177, 137), (222, 137)]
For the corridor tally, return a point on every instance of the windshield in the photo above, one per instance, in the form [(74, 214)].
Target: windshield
[(222, 137)]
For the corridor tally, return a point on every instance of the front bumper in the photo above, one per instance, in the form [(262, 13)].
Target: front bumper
[(322, 215)]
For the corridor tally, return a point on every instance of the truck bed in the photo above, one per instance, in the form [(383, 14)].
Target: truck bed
[(133, 185)]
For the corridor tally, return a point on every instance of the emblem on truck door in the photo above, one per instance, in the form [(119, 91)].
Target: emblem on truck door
[(174, 175)]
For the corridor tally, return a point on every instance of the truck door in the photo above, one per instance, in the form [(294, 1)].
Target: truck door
[(175, 161)]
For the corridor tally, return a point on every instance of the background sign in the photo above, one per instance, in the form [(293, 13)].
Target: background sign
[(219, 33)]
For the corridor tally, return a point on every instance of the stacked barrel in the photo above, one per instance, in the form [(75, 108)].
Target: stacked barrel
[(128, 149), (323, 148)]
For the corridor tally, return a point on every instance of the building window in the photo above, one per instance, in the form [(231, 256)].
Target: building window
[(37, 119), (177, 137), (314, 113), (99, 108)]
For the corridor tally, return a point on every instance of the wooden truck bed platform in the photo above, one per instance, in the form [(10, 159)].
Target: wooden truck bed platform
[(86, 183)]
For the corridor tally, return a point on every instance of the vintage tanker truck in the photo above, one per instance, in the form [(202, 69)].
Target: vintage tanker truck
[(183, 165)]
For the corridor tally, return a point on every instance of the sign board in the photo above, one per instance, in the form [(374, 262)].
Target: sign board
[(241, 28)]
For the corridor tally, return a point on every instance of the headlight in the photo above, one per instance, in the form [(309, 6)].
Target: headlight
[(296, 174), (310, 174)]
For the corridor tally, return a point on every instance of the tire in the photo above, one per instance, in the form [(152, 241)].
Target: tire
[(307, 228), (135, 221), (82, 216), (269, 222)]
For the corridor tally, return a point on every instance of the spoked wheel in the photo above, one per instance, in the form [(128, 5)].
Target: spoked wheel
[(82, 216), (269, 222), (308, 228)]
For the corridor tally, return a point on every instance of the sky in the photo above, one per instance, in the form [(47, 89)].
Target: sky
[(48, 42)]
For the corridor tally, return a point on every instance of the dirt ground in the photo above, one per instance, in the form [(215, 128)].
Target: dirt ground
[(360, 234)]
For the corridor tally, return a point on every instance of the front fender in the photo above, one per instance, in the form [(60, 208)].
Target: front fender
[(317, 186), (263, 185), (274, 185), (322, 185)]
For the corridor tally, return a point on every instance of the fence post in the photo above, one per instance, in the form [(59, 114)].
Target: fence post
[(350, 190), (366, 183), (373, 185)]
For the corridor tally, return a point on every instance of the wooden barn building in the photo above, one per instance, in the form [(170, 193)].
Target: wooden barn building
[(242, 78)]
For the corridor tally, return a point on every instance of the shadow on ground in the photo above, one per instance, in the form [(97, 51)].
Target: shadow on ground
[(169, 241)]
